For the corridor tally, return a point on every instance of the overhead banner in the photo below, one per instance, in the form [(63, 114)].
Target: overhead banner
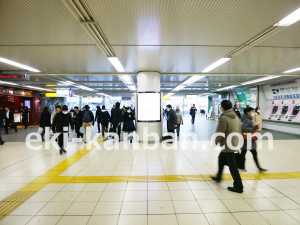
[(283, 90)]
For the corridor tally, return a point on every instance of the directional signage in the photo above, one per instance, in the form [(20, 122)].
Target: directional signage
[(11, 77)]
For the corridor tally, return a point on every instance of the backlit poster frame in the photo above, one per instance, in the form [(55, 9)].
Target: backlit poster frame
[(139, 107)]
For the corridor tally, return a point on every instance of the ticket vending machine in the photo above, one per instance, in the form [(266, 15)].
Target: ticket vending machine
[(283, 112), (295, 113), (274, 111)]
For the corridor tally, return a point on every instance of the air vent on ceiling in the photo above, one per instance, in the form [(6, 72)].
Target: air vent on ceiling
[(254, 40), (81, 12)]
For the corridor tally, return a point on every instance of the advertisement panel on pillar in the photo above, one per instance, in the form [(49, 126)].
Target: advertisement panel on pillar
[(148, 107)]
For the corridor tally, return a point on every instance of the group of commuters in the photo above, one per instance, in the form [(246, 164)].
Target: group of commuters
[(230, 123), (174, 120), (85, 118)]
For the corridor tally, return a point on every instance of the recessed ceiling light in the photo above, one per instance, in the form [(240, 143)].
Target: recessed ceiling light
[(9, 83), (13, 63), (38, 88), (116, 63), (289, 20), (292, 70), (215, 64)]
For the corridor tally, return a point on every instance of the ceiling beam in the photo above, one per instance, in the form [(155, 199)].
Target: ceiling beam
[(168, 74)]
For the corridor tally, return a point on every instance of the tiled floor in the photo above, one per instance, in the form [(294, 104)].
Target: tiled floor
[(147, 186)]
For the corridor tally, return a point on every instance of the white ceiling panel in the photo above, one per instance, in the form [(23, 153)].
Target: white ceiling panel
[(192, 22), (58, 59), (169, 58), (262, 60), (93, 78), (39, 22), (289, 37)]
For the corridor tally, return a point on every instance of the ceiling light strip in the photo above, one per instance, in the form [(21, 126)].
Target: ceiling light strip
[(13, 63), (216, 64), (289, 19), (292, 70)]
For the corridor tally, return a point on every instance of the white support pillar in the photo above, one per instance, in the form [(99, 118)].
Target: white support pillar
[(148, 82)]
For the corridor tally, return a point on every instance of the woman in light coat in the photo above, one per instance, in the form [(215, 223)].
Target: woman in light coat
[(179, 120), (257, 119)]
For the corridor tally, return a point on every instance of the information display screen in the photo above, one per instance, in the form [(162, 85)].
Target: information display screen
[(149, 107)]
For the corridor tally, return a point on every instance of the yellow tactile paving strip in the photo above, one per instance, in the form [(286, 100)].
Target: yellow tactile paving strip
[(169, 178), (52, 176), (19, 197)]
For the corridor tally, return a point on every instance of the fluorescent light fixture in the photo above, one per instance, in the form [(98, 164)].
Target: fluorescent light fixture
[(292, 70), (38, 88), (179, 87), (227, 88), (132, 87), (9, 83), (215, 64), (103, 94), (192, 80), (116, 63), (7, 61), (170, 94), (67, 82), (289, 20), (260, 80), (126, 79)]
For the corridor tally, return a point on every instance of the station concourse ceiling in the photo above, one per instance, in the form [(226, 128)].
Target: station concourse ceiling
[(174, 37)]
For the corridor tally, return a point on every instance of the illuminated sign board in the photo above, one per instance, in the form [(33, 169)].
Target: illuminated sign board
[(14, 76), (149, 107)]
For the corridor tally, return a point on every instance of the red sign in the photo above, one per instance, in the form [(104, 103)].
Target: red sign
[(14, 76)]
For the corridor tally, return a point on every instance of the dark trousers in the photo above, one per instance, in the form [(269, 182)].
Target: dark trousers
[(98, 125), (60, 140), (254, 154), (193, 119), (0, 133), (25, 123), (77, 130), (43, 132), (104, 129), (11, 124), (178, 129), (115, 127), (171, 130), (229, 159)]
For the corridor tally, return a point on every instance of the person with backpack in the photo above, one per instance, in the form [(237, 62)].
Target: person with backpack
[(87, 120), (45, 121), (128, 125), (104, 118), (60, 121), (117, 118)]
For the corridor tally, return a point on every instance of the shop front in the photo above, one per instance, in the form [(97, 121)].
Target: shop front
[(17, 99)]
